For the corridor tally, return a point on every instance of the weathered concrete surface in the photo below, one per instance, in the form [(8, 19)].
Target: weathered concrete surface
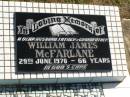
[(126, 34)]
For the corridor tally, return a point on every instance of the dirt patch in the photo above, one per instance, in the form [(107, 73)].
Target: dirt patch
[(126, 32)]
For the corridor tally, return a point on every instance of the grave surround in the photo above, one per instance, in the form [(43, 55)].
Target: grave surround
[(7, 41), (60, 90)]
